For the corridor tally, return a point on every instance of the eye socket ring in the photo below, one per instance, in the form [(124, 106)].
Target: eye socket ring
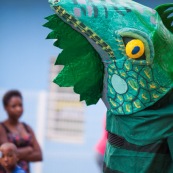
[(135, 49), (128, 34)]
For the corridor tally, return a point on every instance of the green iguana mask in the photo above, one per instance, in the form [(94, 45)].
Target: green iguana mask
[(119, 51)]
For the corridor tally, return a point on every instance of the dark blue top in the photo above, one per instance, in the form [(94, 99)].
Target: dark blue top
[(18, 169)]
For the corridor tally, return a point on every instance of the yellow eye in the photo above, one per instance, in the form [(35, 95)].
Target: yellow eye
[(135, 49)]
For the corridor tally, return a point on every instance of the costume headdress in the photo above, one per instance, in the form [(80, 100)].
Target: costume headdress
[(119, 50)]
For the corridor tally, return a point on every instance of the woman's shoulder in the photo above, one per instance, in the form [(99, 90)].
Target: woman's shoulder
[(3, 122), (3, 127), (4, 132), (27, 126)]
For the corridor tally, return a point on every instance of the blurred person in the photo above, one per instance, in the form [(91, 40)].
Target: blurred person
[(19, 133), (101, 146), (9, 158)]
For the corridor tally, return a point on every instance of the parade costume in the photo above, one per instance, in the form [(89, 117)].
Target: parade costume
[(122, 52)]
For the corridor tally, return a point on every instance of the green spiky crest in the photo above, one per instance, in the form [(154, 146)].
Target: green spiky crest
[(83, 68), (165, 11)]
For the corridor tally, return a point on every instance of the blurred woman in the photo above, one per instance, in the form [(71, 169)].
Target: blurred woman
[(19, 133)]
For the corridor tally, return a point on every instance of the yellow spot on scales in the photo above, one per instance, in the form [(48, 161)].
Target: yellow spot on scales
[(127, 67), (78, 22), (144, 97), (132, 84), (57, 8), (123, 74), (111, 90), (152, 86), (120, 110), (137, 105), (142, 84), (112, 66), (163, 89), (63, 12), (136, 69), (147, 74), (129, 98), (120, 97), (122, 45), (113, 103), (119, 41), (155, 96), (110, 71), (141, 62), (127, 108)]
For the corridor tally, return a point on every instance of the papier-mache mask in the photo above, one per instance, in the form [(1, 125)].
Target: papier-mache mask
[(117, 50)]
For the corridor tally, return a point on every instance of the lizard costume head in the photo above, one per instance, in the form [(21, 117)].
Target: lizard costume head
[(119, 51)]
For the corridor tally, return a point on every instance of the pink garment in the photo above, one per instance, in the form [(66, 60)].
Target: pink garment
[(101, 145)]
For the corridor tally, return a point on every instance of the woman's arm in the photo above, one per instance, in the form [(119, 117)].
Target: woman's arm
[(23, 152), (36, 154), (3, 135)]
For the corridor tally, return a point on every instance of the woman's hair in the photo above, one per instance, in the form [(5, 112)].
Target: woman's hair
[(9, 94)]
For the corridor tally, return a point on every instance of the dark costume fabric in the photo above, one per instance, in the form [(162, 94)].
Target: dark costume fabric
[(19, 142), (141, 142), (122, 52)]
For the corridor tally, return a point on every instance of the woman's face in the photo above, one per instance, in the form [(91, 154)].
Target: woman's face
[(14, 108)]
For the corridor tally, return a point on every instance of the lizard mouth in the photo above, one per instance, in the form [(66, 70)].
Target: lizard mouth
[(83, 29)]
